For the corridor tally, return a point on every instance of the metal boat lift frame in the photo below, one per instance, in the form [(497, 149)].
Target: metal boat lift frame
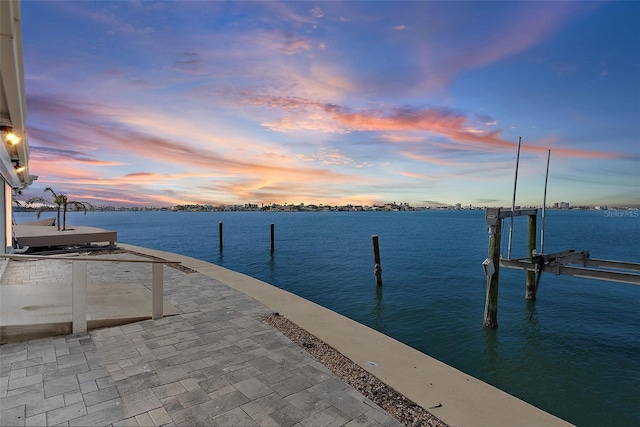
[(568, 263)]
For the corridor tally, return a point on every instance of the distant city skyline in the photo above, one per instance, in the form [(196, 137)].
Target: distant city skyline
[(171, 103), (50, 206)]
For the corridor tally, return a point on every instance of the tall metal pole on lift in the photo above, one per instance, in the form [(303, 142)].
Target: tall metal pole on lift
[(513, 203), (544, 203)]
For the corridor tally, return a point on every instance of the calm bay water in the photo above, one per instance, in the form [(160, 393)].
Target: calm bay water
[(575, 352)]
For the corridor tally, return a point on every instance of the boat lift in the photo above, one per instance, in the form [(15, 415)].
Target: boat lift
[(578, 264), (569, 262)]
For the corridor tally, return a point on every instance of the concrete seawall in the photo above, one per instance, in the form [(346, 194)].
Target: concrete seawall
[(453, 396)]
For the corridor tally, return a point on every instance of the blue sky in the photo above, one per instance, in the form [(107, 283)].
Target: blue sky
[(162, 103)]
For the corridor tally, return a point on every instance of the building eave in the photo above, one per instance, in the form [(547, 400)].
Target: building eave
[(14, 158)]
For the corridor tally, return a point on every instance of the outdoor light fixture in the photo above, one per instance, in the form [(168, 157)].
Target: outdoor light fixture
[(9, 136), (17, 167), (12, 138)]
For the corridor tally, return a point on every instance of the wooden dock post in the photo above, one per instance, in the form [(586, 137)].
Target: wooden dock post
[(531, 247), (377, 269), (273, 237), (494, 223), (220, 234)]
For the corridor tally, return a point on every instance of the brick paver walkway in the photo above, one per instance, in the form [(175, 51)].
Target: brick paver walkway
[(216, 365)]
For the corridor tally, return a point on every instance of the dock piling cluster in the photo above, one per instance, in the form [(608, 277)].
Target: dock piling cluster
[(494, 217)]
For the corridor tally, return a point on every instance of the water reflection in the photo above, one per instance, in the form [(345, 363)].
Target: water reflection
[(531, 311), (376, 311), (532, 329), (272, 268), (492, 348)]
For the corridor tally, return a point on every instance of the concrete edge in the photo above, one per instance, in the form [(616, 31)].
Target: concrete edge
[(462, 400)]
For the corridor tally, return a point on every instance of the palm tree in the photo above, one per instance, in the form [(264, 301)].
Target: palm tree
[(62, 202)]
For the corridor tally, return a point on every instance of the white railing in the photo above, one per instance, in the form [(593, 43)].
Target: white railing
[(79, 284)]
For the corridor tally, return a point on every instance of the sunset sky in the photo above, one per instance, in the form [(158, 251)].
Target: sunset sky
[(161, 103)]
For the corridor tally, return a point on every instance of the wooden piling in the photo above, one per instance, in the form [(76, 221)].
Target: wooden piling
[(273, 237), (531, 247), (377, 269), (220, 234), (491, 302)]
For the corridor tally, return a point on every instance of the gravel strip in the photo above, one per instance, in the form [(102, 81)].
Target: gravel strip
[(398, 406)]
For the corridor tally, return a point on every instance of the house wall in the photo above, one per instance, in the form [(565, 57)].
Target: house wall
[(5, 225)]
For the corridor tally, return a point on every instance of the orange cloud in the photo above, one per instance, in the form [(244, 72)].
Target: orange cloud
[(427, 159), (418, 175), (192, 164)]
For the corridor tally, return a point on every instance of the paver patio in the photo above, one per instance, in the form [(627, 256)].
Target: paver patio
[(215, 364)]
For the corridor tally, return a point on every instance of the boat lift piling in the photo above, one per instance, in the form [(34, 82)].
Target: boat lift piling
[(532, 289), (492, 269)]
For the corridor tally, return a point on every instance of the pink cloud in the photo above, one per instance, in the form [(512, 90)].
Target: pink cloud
[(291, 44), (402, 137), (476, 134), (526, 27), (530, 26)]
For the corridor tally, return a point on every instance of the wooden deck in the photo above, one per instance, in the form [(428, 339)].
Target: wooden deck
[(39, 236)]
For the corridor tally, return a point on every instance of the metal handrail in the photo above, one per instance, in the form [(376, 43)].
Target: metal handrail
[(79, 284)]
